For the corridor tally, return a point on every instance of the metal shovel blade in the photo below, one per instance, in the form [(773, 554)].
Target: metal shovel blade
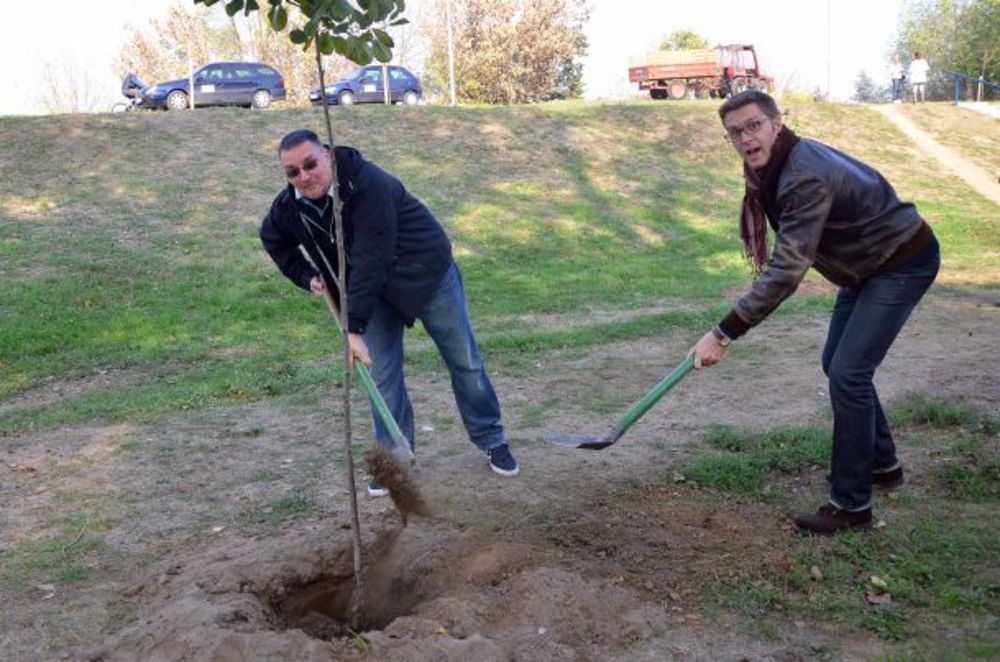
[(583, 441), (629, 418)]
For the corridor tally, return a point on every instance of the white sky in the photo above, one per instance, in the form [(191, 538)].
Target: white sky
[(790, 36)]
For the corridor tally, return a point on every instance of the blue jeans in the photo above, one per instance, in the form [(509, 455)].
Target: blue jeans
[(446, 319), (865, 322), (897, 89)]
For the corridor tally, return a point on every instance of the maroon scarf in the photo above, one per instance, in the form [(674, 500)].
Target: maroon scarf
[(760, 195)]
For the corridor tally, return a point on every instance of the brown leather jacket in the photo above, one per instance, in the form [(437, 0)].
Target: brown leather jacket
[(833, 213)]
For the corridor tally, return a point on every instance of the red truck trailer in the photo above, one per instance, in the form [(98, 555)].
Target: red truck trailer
[(719, 72)]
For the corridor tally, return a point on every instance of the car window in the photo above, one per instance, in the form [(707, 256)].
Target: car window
[(242, 72), (267, 72), (398, 74), (373, 75), (212, 73)]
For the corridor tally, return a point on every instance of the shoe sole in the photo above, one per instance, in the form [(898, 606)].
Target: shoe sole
[(854, 527), (378, 493), (505, 472), (891, 485)]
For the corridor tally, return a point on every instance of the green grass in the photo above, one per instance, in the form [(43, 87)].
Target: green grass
[(748, 458), (144, 261), (937, 555)]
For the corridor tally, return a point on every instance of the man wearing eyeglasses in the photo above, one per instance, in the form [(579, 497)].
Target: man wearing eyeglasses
[(399, 269), (836, 214)]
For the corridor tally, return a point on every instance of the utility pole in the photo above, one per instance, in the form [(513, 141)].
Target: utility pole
[(190, 78), (829, 31), (451, 55)]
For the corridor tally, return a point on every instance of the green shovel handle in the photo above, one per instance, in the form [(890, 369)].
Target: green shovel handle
[(368, 385), (653, 395)]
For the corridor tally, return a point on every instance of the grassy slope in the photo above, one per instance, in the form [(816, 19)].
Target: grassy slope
[(128, 243), (127, 246)]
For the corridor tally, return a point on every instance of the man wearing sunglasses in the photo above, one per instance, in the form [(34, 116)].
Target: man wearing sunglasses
[(836, 214), (399, 269)]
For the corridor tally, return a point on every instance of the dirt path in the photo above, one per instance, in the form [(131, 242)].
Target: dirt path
[(973, 175)]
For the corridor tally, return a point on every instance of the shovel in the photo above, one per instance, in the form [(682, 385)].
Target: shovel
[(628, 418), (401, 445)]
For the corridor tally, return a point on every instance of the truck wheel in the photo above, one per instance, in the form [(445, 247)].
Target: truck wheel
[(760, 85), (738, 85), (658, 94), (678, 89)]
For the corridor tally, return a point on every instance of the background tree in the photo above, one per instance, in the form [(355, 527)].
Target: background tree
[(979, 51), (867, 91), (508, 51), (68, 86), (683, 40), (954, 35), (160, 52)]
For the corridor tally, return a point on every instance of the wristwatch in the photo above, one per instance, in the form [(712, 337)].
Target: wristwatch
[(721, 337)]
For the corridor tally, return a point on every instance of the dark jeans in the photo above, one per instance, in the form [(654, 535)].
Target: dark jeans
[(865, 322), (897, 89), (446, 320)]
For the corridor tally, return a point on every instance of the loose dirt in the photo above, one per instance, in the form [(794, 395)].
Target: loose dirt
[(584, 556)]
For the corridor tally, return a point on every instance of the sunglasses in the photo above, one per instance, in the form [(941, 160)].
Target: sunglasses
[(308, 166)]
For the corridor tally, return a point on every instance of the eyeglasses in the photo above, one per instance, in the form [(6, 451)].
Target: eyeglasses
[(750, 128), (308, 166)]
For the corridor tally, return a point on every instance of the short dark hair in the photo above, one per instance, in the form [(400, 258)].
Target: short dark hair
[(763, 100), (297, 137)]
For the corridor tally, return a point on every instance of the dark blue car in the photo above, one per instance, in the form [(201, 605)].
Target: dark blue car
[(250, 84), (366, 85)]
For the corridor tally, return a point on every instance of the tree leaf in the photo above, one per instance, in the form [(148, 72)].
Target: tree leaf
[(381, 53), (358, 51), (383, 37), (233, 6), (277, 17), (251, 6), (327, 44), (340, 10), (297, 36)]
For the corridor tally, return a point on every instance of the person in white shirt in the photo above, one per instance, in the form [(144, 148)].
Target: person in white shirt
[(918, 77)]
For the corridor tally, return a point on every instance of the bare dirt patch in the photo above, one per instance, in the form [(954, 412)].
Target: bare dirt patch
[(225, 534)]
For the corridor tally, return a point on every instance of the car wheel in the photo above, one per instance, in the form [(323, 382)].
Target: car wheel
[(261, 99), (410, 98), (345, 98), (177, 100)]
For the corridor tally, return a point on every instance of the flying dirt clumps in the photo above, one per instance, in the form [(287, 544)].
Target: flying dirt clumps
[(388, 471)]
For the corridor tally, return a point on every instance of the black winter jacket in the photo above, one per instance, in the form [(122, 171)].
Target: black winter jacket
[(396, 249)]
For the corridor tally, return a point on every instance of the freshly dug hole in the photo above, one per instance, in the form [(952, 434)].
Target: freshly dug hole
[(327, 607)]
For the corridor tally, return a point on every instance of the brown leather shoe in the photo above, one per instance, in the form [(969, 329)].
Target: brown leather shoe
[(829, 520), (884, 480), (888, 480)]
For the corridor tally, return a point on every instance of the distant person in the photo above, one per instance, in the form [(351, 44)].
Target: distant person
[(836, 214), (132, 86), (918, 77), (897, 77), (399, 269)]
